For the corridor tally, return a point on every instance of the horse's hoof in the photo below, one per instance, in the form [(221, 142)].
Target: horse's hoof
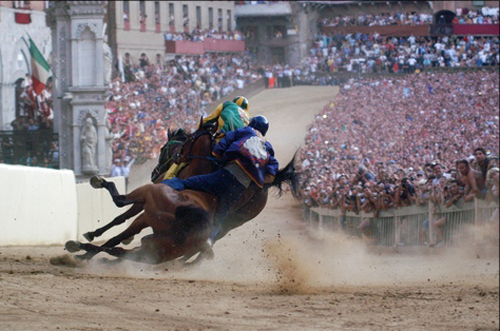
[(73, 246), (206, 251), (96, 182), (128, 240), (89, 236)]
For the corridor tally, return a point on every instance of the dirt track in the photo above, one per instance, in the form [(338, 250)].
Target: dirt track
[(271, 274)]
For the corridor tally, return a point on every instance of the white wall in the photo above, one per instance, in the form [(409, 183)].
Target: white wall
[(40, 206), (37, 206)]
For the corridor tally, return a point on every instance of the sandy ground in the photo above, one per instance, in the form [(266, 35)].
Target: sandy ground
[(274, 273)]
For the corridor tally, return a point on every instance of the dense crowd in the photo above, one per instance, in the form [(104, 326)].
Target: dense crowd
[(149, 98), (31, 142), (154, 98), (389, 18), (201, 35), (485, 15), (392, 142), (372, 53)]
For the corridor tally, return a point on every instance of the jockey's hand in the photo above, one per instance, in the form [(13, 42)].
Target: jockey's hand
[(268, 179)]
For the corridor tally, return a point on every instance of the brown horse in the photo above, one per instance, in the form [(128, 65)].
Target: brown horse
[(163, 245)]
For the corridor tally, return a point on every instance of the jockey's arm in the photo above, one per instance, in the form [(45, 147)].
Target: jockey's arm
[(224, 144), (215, 114)]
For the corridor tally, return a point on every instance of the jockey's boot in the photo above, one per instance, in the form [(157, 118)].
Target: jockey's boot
[(174, 170)]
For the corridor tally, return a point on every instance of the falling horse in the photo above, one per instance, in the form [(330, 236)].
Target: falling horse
[(181, 221)]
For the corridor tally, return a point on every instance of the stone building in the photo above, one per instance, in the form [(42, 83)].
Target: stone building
[(137, 27), (17, 20)]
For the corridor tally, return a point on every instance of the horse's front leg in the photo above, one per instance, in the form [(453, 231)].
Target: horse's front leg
[(134, 210), (120, 200), (136, 227)]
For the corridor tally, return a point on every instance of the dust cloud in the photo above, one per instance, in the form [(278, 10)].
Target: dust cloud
[(312, 261)]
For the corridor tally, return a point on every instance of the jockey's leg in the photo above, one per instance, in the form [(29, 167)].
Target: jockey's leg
[(174, 170), (221, 184)]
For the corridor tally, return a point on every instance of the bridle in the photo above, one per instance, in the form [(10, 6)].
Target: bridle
[(164, 165), (180, 157)]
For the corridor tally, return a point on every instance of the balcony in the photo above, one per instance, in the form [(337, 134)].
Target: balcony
[(200, 47), (417, 30), (271, 9)]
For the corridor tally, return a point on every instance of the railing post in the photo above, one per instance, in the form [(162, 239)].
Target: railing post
[(476, 211), (431, 221), (397, 228)]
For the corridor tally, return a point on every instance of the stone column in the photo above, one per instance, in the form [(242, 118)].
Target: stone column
[(79, 88)]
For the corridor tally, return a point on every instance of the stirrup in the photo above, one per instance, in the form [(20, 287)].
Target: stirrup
[(97, 182)]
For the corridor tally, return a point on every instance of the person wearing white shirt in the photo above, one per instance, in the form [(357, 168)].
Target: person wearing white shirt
[(116, 168)]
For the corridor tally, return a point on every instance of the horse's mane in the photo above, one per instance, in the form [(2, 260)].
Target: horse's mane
[(177, 134)]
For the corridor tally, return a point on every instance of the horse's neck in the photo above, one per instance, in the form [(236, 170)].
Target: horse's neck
[(195, 168), (199, 166)]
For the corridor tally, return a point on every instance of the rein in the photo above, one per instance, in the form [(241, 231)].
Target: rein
[(161, 167), (193, 139)]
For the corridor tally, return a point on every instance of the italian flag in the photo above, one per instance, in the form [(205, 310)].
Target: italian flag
[(40, 69)]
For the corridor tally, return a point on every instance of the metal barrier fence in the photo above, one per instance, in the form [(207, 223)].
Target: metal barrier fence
[(408, 226)]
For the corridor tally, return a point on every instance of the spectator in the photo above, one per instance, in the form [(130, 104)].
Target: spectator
[(480, 167)]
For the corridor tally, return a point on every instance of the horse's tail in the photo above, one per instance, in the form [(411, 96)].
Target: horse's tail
[(286, 175), (189, 221)]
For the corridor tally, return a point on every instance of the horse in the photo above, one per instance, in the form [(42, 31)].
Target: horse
[(169, 152), (197, 150)]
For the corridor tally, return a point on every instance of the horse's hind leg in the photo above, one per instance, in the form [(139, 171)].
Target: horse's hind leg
[(134, 210)]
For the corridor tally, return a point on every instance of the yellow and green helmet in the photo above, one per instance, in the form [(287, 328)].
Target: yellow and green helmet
[(242, 102)]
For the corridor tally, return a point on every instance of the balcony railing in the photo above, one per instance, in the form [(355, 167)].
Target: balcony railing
[(33, 148), (200, 47), (417, 30)]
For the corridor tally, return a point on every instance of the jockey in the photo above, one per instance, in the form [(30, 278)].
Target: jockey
[(247, 157), (230, 115)]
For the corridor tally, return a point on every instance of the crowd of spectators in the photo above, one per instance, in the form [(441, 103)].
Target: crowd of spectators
[(373, 53), (360, 53), (153, 98), (485, 15), (31, 142), (201, 35), (392, 142), (389, 18)]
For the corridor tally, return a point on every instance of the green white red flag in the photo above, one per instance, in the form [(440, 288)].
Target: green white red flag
[(40, 69)]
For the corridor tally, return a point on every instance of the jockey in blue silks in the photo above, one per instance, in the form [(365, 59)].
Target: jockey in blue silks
[(246, 157)]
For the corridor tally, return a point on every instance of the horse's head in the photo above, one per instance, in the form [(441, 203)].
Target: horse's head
[(168, 152), (197, 150)]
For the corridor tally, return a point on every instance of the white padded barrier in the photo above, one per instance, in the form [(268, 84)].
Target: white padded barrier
[(37, 206)]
